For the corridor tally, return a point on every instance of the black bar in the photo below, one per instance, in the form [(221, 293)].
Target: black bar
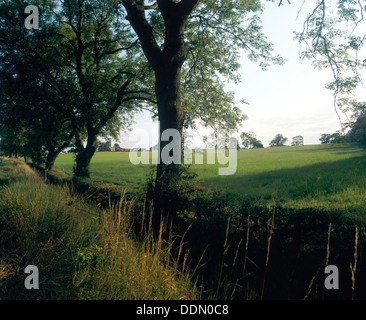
[(203, 309)]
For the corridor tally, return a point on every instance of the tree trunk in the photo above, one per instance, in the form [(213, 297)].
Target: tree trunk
[(171, 115), (84, 155), (50, 160), (54, 151), (167, 196), (167, 62), (167, 87)]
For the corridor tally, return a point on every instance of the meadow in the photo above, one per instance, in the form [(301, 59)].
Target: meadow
[(331, 176)]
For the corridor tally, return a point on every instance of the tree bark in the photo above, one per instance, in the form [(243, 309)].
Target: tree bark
[(50, 160), (85, 154), (167, 62), (54, 150), (170, 110)]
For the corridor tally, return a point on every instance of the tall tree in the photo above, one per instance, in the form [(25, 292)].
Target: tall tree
[(90, 59), (29, 106), (199, 40), (110, 75)]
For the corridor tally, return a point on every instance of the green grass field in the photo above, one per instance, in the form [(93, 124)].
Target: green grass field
[(307, 176)]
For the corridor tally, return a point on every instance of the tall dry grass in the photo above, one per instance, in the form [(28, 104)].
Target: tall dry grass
[(81, 251)]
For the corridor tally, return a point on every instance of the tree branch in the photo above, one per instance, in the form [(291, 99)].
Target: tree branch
[(187, 6), (136, 16), (280, 4), (140, 98)]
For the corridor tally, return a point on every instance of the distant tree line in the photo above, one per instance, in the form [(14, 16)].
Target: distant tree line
[(332, 138), (249, 140), (279, 141), (356, 126)]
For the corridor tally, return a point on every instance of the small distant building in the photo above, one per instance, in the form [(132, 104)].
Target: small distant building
[(119, 149), (112, 149)]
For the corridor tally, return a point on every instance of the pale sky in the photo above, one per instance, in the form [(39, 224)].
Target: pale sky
[(290, 99)]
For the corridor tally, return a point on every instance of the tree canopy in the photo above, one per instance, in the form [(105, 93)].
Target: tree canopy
[(297, 141), (357, 123), (278, 141), (90, 62), (249, 140), (88, 53), (193, 47)]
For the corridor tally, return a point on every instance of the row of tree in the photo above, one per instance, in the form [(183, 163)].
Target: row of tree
[(249, 140), (355, 134), (279, 140), (92, 65)]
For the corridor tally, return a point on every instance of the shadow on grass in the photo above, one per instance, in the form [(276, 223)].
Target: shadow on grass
[(333, 148), (301, 235), (321, 179)]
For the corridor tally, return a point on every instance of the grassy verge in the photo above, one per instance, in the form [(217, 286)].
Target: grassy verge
[(81, 251)]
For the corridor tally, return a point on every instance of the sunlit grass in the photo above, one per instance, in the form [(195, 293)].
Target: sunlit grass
[(81, 251), (316, 175)]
